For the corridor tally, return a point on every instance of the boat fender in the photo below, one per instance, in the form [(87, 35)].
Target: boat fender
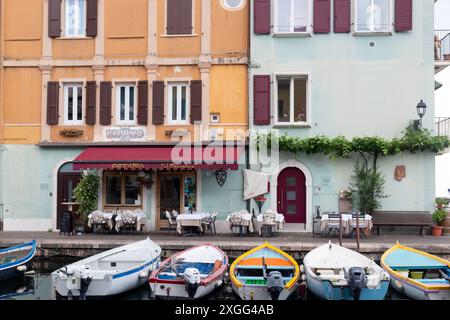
[(22, 268), (356, 280), (303, 277), (275, 284)]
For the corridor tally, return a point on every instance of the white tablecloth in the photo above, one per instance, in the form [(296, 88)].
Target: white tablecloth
[(279, 219), (133, 217), (243, 219), (191, 220), (347, 222), (99, 217)]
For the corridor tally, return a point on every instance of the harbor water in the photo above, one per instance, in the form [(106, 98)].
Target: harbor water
[(38, 286)]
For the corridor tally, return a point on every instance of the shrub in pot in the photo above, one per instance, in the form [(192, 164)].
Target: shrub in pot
[(86, 196), (439, 217)]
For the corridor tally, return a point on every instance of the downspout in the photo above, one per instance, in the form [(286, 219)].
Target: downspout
[(249, 75), (2, 3)]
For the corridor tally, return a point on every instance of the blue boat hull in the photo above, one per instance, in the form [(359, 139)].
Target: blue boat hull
[(327, 291), (13, 273)]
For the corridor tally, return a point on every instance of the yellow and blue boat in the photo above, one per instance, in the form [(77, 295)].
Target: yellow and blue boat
[(265, 273), (417, 274)]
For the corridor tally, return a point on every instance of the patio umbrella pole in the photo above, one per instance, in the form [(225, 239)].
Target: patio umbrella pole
[(357, 232)]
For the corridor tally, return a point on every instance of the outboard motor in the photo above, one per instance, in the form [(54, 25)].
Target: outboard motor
[(275, 284), (357, 281), (192, 279), (84, 274)]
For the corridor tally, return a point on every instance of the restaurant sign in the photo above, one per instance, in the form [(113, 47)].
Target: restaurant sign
[(125, 134)]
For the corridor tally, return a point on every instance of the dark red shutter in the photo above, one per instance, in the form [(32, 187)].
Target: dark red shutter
[(142, 118), (403, 15), (196, 101), (173, 22), (342, 16), (91, 18), (158, 102), (185, 17), (105, 102), (261, 100), (91, 102), (322, 11), (52, 103), (54, 18), (262, 16)]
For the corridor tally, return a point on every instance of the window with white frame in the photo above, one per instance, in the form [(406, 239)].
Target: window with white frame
[(126, 104), (372, 16), (291, 16), (75, 18), (292, 99), (73, 104), (178, 103)]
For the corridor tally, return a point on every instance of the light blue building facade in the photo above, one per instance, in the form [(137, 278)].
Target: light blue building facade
[(352, 68)]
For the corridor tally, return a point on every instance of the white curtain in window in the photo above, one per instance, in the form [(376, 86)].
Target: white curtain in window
[(75, 17)]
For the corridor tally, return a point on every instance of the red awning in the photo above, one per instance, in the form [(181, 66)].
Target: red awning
[(162, 158)]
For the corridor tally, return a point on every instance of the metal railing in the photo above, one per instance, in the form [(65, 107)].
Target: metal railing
[(442, 44), (442, 127)]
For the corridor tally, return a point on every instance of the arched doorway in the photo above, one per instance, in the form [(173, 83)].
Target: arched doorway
[(68, 179), (291, 195)]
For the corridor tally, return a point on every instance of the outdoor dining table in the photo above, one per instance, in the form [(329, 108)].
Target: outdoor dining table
[(279, 220), (137, 218), (348, 223), (191, 220), (241, 220), (101, 218)]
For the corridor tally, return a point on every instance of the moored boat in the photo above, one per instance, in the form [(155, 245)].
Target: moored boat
[(265, 273), (417, 274), (17, 260), (193, 273), (337, 273), (109, 273)]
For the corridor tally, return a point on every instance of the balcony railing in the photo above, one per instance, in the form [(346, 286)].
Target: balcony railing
[(442, 127), (442, 45)]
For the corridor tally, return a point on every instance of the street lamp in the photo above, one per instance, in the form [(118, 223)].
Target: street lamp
[(421, 110)]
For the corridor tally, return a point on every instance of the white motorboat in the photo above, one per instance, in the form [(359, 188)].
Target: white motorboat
[(337, 273), (109, 273)]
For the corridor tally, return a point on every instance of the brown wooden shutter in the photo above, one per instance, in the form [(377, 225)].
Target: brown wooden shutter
[(52, 103), (261, 100), (185, 17), (322, 11), (91, 102), (105, 102), (54, 18), (142, 118), (173, 21), (342, 16), (262, 16), (91, 18), (403, 15), (196, 101), (158, 102)]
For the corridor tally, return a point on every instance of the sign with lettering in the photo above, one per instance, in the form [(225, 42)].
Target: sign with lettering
[(125, 134), (128, 166), (400, 173), (71, 132)]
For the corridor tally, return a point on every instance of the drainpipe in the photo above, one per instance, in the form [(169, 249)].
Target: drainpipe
[(249, 74)]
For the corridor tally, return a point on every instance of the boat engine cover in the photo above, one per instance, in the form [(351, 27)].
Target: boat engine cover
[(83, 272), (275, 284), (357, 281), (192, 279)]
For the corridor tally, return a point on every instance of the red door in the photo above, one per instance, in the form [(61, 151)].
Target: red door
[(291, 195)]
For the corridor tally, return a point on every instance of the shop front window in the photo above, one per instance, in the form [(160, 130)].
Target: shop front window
[(122, 190)]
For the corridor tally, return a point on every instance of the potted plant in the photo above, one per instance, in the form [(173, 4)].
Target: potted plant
[(438, 216), (86, 196)]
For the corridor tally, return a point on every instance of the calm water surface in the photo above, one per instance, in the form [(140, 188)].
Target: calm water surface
[(39, 287)]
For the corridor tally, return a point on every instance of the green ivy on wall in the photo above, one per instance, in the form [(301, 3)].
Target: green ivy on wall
[(86, 194)]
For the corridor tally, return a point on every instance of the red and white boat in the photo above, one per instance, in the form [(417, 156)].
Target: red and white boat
[(193, 273)]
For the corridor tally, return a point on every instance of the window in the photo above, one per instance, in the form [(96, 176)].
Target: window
[(73, 104), (233, 4), (291, 16), (292, 100), (122, 189), (178, 103), (126, 104), (372, 16), (75, 18), (179, 17)]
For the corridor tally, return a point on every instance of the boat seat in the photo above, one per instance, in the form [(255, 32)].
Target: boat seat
[(268, 267), (433, 281)]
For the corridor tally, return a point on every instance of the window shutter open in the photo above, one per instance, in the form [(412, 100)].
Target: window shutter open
[(403, 15), (54, 18), (342, 16), (262, 16), (91, 18), (158, 102), (196, 101), (173, 9), (142, 103), (261, 100), (52, 103), (185, 17), (105, 102), (91, 102), (322, 11)]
